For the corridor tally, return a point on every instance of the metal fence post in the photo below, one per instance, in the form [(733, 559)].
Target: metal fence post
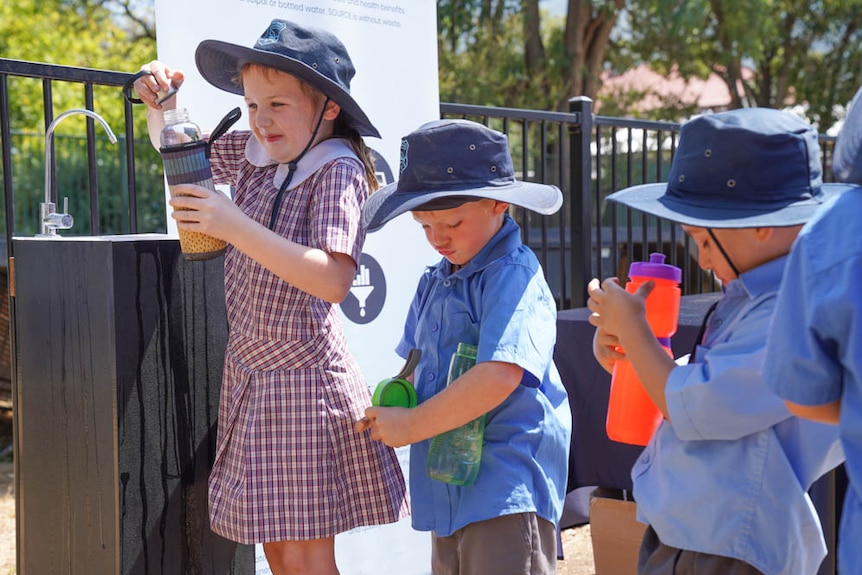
[(580, 202)]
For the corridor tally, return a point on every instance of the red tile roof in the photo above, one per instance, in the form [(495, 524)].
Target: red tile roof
[(710, 94)]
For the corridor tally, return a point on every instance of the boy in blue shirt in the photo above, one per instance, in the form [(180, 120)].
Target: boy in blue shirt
[(722, 483), (488, 291), (814, 357)]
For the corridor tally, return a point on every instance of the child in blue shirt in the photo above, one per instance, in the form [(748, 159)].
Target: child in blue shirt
[(488, 291), (722, 483), (814, 357)]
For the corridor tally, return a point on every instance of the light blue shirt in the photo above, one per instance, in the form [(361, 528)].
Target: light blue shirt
[(501, 303), (728, 474), (815, 344)]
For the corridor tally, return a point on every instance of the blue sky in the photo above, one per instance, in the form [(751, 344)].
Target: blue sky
[(554, 6)]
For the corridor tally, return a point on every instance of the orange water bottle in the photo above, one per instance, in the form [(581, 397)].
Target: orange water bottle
[(632, 415)]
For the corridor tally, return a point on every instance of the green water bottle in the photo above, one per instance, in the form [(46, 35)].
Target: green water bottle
[(454, 456)]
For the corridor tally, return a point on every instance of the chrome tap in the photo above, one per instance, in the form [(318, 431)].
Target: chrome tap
[(50, 220)]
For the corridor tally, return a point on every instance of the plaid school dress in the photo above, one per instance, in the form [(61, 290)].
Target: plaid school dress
[(289, 465)]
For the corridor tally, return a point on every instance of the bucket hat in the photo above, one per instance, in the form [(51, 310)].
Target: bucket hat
[(847, 157), (449, 162), (739, 169), (313, 55)]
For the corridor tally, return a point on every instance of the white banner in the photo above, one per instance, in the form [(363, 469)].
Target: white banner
[(393, 45)]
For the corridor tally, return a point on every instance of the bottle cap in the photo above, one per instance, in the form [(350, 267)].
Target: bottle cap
[(655, 268), (164, 95), (394, 392)]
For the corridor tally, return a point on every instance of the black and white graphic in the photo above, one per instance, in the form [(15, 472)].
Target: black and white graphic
[(382, 169), (368, 293)]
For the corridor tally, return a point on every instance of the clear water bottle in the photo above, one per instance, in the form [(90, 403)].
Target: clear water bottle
[(178, 128), (185, 157), (455, 456)]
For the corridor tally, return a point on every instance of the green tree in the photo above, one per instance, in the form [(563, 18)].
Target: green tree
[(80, 33), (87, 34), (589, 24), (509, 53), (482, 57), (769, 53)]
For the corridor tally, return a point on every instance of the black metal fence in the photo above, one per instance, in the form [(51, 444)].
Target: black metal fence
[(587, 156), (89, 163)]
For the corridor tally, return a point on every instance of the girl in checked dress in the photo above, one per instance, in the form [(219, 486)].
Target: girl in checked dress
[(289, 471)]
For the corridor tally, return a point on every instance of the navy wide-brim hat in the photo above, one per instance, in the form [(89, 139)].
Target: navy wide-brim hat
[(847, 157), (446, 162), (754, 167), (313, 55)]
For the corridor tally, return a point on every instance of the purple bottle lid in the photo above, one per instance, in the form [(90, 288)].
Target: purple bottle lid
[(655, 268)]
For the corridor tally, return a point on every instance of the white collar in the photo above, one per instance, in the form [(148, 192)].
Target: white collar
[(323, 153)]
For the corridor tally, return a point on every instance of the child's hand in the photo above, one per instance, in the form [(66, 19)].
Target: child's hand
[(606, 349), (620, 317), (156, 84), (613, 307), (387, 424), (200, 209)]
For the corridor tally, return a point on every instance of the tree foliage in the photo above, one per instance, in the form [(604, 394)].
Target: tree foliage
[(796, 51), (482, 56), (769, 53), (81, 33), (509, 53), (87, 34), (589, 24)]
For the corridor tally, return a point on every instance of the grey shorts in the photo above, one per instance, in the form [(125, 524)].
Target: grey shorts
[(519, 544), (656, 558)]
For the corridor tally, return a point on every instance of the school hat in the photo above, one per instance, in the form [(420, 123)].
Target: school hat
[(739, 169), (847, 157), (448, 162), (313, 55)]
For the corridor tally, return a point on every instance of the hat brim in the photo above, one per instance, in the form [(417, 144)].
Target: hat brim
[(219, 64), (387, 203), (653, 199)]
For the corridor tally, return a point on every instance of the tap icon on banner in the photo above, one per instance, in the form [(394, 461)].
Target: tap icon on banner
[(362, 288)]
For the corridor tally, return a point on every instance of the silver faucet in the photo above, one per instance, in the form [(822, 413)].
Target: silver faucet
[(52, 221)]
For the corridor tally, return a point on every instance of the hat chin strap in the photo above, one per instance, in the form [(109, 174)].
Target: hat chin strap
[(723, 253), (291, 167)]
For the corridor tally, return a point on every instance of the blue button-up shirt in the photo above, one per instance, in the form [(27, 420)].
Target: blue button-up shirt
[(728, 474), (501, 303), (815, 344)]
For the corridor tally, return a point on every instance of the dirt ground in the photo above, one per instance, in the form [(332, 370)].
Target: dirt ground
[(7, 499), (577, 547), (7, 520), (577, 551)]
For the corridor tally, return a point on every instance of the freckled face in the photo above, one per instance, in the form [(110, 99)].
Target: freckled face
[(283, 112), (458, 234)]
